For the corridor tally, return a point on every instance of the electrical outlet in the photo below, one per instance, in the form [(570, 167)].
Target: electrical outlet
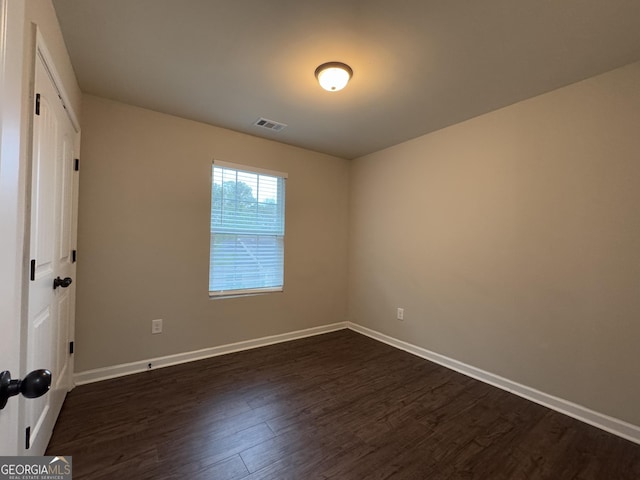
[(156, 326), (400, 315)]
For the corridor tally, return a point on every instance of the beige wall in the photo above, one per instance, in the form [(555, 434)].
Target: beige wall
[(512, 241), (144, 237)]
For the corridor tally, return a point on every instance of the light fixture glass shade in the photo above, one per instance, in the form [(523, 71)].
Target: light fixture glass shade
[(333, 76)]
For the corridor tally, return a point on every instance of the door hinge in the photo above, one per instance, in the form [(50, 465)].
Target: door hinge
[(27, 438), (32, 274), (76, 164), (71, 347), (37, 104), (74, 256)]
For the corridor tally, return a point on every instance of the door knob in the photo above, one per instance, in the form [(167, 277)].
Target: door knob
[(34, 385), (61, 282)]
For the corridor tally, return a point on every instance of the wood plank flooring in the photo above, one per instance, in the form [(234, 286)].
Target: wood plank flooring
[(339, 406)]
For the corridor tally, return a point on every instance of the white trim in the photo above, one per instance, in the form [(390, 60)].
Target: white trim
[(250, 169), (13, 170), (115, 371), (604, 422)]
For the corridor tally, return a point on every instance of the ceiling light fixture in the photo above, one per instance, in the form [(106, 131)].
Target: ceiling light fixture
[(333, 76)]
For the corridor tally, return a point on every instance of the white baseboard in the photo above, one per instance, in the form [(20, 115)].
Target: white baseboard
[(604, 422), (121, 370)]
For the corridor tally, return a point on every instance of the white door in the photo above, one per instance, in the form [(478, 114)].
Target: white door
[(52, 240)]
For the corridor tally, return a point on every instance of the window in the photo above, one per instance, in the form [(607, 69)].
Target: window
[(247, 230)]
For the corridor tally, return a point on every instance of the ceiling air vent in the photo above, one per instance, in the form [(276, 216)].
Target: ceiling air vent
[(269, 124)]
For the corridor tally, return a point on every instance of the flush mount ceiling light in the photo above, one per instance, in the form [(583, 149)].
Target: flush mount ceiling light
[(333, 76)]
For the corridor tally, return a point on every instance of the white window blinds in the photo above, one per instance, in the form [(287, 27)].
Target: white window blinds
[(247, 230)]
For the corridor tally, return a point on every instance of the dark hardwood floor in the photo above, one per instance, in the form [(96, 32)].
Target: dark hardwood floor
[(339, 406)]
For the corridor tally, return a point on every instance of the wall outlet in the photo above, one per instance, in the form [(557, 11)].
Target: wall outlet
[(156, 326), (400, 314)]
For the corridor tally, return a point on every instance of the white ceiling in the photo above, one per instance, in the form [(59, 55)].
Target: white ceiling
[(419, 65)]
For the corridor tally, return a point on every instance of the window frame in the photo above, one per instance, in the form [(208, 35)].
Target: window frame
[(255, 290)]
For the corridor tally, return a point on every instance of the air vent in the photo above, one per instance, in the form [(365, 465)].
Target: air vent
[(269, 124)]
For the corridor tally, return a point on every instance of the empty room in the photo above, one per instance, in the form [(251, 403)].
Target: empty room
[(343, 239)]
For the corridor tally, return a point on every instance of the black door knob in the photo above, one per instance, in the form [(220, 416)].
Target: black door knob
[(34, 385), (61, 282)]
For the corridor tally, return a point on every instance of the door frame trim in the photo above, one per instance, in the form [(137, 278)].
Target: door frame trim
[(13, 164)]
